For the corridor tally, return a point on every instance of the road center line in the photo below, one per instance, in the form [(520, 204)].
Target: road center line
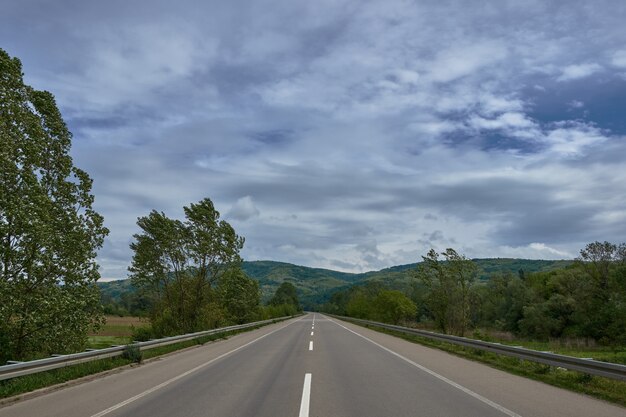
[(311, 345), (311, 333), (436, 375), (306, 396), (184, 374)]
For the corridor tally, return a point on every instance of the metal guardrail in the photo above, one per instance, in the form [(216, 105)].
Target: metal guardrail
[(15, 369), (587, 366)]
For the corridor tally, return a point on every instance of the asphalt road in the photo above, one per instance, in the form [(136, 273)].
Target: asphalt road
[(311, 366)]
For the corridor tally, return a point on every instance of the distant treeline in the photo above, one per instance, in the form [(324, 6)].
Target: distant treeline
[(585, 299)]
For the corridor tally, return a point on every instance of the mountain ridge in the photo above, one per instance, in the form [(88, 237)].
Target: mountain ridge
[(315, 285)]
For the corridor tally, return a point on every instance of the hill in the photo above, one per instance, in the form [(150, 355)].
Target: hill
[(315, 285)]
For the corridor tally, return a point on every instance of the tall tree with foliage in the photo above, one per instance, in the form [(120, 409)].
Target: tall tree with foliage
[(178, 263), (463, 273), (287, 294), (449, 283), (432, 273), (392, 306), (49, 232), (240, 296), (604, 265)]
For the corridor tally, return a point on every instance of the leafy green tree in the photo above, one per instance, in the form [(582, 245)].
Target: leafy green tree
[(449, 282), (286, 293), (502, 301), (49, 232), (240, 296), (463, 273), (392, 306), (360, 305), (603, 264), (433, 275), (178, 263)]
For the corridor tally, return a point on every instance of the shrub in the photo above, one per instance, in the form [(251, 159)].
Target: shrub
[(132, 353)]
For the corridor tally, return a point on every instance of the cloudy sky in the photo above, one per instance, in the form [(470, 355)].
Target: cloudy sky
[(351, 135)]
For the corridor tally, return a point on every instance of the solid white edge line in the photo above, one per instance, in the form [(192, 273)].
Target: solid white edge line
[(436, 375), (184, 374), (306, 396), (311, 345)]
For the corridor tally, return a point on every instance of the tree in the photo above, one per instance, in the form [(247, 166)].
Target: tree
[(603, 264), (360, 305), (432, 273), (179, 263), (597, 259), (392, 306), (240, 296), (463, 273), (49, 232), (286, 294), (449, 283)]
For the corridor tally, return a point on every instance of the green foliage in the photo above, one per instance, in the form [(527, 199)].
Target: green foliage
[(583, 299), (316, 286), (143, 334), (274, 311), (501, 302), (240, 296), (372, 301), (121, 298), (286, 294), (49, 232), (391, 306), (449, 283), (27, 383), (132, 353), (178, 265)]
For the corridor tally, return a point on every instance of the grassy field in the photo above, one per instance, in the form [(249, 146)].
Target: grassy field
[(116, 331)]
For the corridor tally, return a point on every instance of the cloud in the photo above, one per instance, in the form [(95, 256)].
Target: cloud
[(576, 104), (573, 138), (504, 121), (343, 134), (534, 250), (574, 72), (619, 59), (244, 209), (463, 60)]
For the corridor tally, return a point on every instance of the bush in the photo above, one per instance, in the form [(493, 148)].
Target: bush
[(132, 353), (142, 334)]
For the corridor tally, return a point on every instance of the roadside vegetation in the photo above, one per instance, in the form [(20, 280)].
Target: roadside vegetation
[(49, 230), (116, 330), (20, 385), (578, 310), (580, 306), (187, 273), (599, 387)]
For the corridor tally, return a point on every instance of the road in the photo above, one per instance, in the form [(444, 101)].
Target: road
[(311, 366)]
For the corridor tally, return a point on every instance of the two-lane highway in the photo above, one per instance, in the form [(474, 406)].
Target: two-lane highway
[(311, 366)]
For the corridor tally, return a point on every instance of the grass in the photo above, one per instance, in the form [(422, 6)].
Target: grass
[(116, 331), (100, 342), (599, 387), (577, 347), (28, 383)]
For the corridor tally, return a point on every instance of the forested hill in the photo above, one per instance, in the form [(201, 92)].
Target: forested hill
[(315, 285)]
